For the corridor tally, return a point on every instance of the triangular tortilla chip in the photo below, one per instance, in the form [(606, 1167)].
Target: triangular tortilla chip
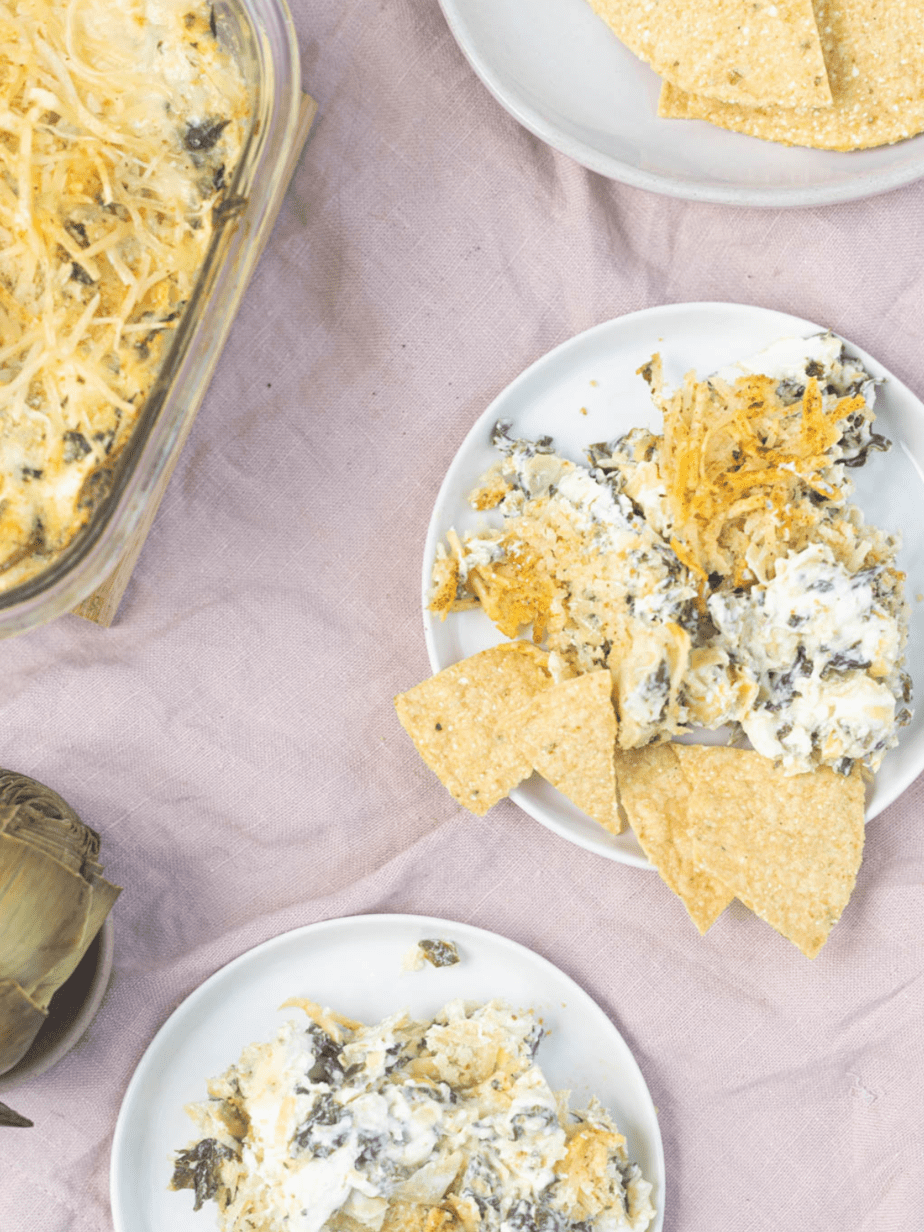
[(568, 732), (460, 721), (788, 846), (873, 55), (654, 794), (740, 51)]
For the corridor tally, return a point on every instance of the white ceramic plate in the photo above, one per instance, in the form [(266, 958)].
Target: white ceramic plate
[(354, 966), (559, 70), (597, 371)]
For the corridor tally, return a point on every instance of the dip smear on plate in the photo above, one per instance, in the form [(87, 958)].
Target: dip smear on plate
[(120, 130), (720, 570), (446, 1125)]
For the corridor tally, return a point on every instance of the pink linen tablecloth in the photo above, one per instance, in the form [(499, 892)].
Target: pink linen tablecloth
[(233, 737)]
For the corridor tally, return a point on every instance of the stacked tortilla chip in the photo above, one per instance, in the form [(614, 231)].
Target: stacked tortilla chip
[(842, 76), (717, 823), (724, 823), (485, 724)]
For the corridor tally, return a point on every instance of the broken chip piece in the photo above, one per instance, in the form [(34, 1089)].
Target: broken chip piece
[(461, 719)]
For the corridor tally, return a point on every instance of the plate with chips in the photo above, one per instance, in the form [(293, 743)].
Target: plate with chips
[(558, 68), (588, 390)]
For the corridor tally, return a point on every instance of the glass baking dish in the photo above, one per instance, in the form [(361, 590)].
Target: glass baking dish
[(261, 35)]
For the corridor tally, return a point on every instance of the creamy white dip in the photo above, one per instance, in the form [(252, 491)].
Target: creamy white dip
[(805, 659), (449, 1120)]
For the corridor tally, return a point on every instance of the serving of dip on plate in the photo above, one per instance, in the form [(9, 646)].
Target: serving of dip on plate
[(588, 390), (355, 964)]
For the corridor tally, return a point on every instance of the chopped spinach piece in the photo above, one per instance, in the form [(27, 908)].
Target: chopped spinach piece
[(199, 1169), (326, 1128), (440, 953), (204, 136), (532, 1121), (78, 232), (327, 1064), (502, 440), (76, 446)]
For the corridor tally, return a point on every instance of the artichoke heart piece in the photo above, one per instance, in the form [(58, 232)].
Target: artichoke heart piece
[(53, 902)]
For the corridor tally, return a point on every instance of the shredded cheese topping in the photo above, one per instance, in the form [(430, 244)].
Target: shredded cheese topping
[(119, 129), (738, 463)]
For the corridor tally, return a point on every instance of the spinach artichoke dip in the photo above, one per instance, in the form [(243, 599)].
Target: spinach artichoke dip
[(120, 129), (719, 570), (446, 1125)]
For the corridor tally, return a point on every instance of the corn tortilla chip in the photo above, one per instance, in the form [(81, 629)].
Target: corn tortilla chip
[(874, 50), (460, 720), (788, 846), (568, 732), (740, 51), (654, 793)]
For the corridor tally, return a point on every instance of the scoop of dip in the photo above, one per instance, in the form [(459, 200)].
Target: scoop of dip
[(444, 1125)]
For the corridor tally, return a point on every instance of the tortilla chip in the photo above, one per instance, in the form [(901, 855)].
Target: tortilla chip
[(873, 56), (460, 721), (740, 51), (788, 846), (568, 732), (654, 794)]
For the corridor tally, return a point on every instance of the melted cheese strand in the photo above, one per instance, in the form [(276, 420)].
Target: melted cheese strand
[(117, 123)]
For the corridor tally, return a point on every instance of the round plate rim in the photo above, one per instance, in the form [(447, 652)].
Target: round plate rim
[(425, 922)]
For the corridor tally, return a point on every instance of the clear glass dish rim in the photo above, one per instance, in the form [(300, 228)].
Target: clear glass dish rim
[(182, 382)]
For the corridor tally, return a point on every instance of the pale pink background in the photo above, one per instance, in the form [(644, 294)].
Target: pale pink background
[(233, 737)]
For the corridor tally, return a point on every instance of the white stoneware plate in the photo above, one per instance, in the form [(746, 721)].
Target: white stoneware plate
[(353, 965), (597, 371), (559, 70)]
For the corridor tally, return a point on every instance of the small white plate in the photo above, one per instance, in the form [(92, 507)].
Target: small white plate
[(559, 70), (596, 371), (353, 965)]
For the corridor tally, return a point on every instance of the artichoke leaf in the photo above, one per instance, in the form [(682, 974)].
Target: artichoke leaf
[(57, 831), (9, 1117), (44, 907), (102, 898), (20, 1019)]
